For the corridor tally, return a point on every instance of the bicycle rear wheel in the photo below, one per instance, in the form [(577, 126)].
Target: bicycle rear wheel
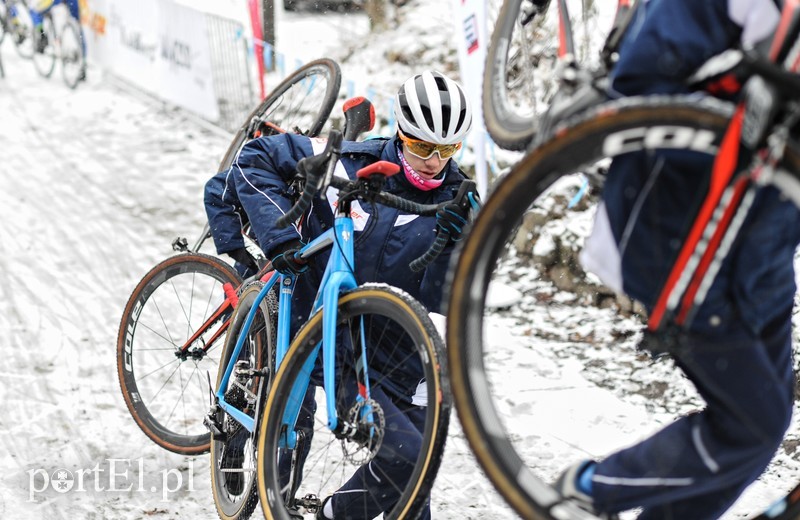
[(233, 454), (166, 385), (392, 324), (536, 377), (519, 79), (73, 61), (44, 43), (3, 20), (300, 104)]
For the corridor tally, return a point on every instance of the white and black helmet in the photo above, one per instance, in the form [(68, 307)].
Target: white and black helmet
[(432, 107)]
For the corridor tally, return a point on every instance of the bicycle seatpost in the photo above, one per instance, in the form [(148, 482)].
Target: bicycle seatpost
[(359, 117)]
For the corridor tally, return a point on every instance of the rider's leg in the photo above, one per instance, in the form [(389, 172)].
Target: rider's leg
[(39, 37), (376, 486), (699, 464)]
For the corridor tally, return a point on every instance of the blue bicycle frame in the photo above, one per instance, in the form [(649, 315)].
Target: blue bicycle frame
[(338, 277)]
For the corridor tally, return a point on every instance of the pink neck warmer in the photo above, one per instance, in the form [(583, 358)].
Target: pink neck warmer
[(415, 178)]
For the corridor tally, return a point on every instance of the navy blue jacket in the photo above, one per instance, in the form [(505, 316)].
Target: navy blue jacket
[(756, 282), (263, 170), (387, 240), (226, 217)]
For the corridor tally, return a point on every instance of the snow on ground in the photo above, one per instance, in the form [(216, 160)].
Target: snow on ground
[(96, 183)]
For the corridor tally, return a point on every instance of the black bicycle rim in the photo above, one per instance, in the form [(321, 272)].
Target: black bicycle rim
[(367, 301), (143, 323)]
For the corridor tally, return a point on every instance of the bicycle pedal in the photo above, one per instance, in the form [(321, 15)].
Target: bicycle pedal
[(310, 503)]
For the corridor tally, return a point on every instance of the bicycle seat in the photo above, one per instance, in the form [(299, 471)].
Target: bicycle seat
[(384, 168)]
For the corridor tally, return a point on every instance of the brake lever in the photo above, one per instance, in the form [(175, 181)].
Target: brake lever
[(335, 147)]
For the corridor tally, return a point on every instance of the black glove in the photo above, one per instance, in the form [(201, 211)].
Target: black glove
[(241, 256), (452, 219), (284, 261)]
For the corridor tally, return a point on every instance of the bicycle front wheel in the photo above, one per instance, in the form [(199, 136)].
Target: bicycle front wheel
[(163, 377), (44, 43), (537, 347), (300, 104), (519, 79), (233, 450), (73, 60), (390, 456)]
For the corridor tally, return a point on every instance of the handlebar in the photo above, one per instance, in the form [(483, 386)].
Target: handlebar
[(318, 174), (314, 169), (465, 199), (387, 199)]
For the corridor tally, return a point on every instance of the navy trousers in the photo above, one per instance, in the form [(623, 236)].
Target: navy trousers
[(375, 487), (697, 466)]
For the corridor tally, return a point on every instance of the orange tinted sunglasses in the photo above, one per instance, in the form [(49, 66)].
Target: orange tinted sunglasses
[(425, 150)]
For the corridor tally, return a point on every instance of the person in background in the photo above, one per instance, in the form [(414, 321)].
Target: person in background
[(433, 118), (38, 10)]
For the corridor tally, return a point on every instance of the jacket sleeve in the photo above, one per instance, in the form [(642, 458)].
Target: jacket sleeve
[(670, 41), (225, 214), (262, 173)]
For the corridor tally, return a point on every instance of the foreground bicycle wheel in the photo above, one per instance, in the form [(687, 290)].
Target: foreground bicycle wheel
[(299, 104), (44, 51), (392, 324), (536, 376), (73, 61), (165, 386), (233, 455), (519, 79)]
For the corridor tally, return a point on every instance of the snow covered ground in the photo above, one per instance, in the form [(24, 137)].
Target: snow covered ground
[(95, 183)]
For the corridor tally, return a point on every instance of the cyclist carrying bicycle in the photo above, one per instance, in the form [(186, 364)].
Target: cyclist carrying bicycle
[(737, 349), (38, 11), (433, 117)]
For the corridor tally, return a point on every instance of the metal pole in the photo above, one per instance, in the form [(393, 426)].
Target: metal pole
[(268, 25)]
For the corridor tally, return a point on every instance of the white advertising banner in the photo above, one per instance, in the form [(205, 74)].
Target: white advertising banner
[(158, 45), (470, 20)]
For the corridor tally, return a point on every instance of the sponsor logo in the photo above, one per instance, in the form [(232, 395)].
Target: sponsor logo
[(129, 329), (654, 137)]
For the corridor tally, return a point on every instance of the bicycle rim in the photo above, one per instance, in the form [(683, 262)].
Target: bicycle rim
[(396, 322), (519, 79), (167, 392), (233, 458), (522, 304), (44, 58), (73, 62), (300, 104)]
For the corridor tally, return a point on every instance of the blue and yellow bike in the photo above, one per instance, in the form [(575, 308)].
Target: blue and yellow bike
[(296, 421)]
